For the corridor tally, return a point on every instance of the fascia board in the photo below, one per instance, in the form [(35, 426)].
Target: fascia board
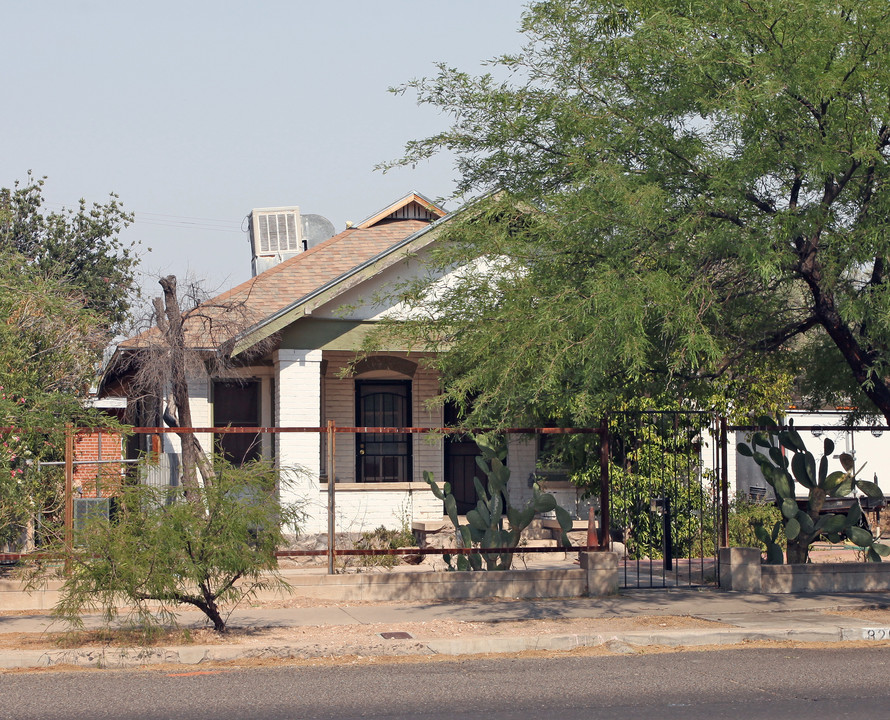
[(337, 286)]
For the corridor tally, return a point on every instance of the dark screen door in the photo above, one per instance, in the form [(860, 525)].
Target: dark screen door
[(383, 457), (237, 404), (461, 452)]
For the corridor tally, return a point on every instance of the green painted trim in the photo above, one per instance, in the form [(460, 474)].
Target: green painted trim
[(310, 333)]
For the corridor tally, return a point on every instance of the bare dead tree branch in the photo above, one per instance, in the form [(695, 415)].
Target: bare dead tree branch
[(188, 337)]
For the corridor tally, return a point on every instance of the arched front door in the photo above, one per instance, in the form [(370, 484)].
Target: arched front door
[(383, 457)]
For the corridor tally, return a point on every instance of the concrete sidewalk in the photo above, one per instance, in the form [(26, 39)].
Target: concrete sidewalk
[(691, 617)]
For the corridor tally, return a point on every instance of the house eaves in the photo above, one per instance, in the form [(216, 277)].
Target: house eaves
[(339, 285)]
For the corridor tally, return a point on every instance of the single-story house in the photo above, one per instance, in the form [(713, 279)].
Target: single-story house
[(311, 302)]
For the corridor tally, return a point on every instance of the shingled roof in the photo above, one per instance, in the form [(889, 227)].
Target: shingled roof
[(256, 304)]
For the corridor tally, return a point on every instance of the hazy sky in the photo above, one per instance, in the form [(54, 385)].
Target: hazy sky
[(195, 112)]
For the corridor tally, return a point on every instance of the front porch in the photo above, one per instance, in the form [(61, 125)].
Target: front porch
[(379, 476)]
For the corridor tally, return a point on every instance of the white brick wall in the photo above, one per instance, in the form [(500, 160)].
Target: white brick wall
[(361, 508), (368, 507), (202, 409), (298, 404)]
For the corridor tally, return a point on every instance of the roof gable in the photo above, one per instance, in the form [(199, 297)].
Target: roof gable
[(413, 206)]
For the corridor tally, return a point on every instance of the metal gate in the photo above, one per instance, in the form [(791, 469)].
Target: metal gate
[(664, 502)]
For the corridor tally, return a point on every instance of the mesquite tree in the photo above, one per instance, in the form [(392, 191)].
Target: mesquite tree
[(695, 191)]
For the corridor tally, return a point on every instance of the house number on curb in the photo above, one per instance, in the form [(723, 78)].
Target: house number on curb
[(876, 634)]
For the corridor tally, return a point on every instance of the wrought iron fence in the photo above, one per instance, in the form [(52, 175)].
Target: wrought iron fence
[(665, 497)]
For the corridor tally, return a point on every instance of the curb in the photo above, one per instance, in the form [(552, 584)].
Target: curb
[(621, 643)]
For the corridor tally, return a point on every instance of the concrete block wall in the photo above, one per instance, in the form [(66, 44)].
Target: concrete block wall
[(825, 577), (597, 576), (741, 570)]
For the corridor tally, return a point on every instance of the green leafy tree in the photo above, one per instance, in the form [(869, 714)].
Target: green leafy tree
[(81, 247), (210, 552), (691, 191), (49, 349), (48, 342)]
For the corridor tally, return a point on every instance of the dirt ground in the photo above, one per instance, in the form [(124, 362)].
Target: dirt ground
[(338, 638), (366, 644)]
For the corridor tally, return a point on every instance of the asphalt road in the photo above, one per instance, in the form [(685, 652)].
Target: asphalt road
[(836, 682)]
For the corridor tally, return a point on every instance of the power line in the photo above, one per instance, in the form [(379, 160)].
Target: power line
[(173, 221), (139, 220)]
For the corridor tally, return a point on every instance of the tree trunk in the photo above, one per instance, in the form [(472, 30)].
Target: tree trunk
[(859, 358), (193, 455), (212, 611)]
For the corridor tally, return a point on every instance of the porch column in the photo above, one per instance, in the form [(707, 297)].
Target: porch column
[(298, 404)]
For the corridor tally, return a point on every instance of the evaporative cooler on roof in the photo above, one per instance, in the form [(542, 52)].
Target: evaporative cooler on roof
[(276, 230), (277, 234)]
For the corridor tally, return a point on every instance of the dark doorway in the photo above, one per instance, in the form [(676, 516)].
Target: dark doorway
[(237, 403), (383, 457), (461, 452)]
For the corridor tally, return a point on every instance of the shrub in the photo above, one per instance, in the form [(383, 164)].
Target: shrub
[(383, 539), (211, 551), (747, 515)]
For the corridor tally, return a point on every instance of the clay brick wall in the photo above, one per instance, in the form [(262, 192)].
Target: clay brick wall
[(97, 480)]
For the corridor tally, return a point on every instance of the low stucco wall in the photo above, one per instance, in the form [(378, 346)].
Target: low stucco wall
[(12, 597), (382, 587), (825, 577), (597, 576), (741, 570)]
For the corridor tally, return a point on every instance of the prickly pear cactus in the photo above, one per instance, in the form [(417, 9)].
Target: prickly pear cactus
[(801, 527), (485, 523)]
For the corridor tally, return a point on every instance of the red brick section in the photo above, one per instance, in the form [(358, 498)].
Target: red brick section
[(97, 480)]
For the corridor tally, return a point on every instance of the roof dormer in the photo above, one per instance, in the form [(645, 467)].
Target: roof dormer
[(413, 206)]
